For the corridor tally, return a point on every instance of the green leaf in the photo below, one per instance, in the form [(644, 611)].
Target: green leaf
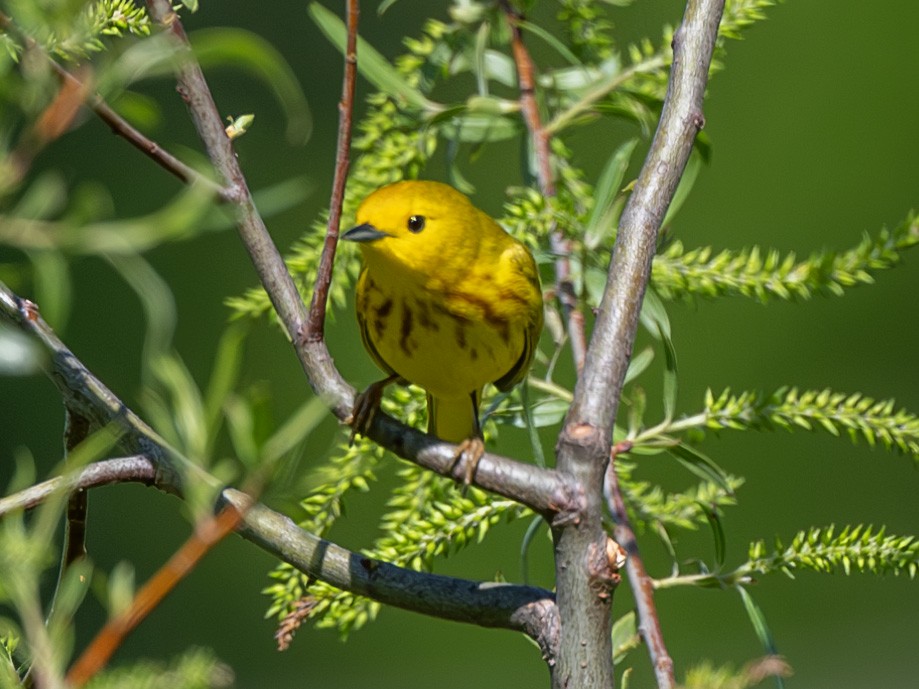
[(373, 66), (701, 465), (245, 50), (638, 364), (714, 522), (600, 225), (525, 544), (300, 424), (385, 5), (690, 173), (224, 375), (625, 636), (551, 40), (481, 128), (758, 620), (655, 319)]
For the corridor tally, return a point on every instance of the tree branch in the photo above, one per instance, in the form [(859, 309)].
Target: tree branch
[(596, 396), (540, 136), (649, 625), (527, 609), (119, 125), (586, 437), (515, 607), (208, 533), (315, 325), (136, 469)]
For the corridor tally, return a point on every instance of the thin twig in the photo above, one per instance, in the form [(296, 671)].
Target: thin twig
[(316, 323), (183, 561), (119, 125), (642, 585), (561, 246), (528, 609), (136, 469), (76, 430)]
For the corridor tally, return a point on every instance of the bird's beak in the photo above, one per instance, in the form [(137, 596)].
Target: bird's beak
[(364, 233)]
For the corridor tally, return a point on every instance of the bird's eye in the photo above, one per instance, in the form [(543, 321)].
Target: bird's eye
[(416, 223)]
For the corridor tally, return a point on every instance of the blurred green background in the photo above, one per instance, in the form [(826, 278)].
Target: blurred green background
[(815, 138)]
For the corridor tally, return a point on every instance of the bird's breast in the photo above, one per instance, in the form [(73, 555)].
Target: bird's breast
[(449, 343)]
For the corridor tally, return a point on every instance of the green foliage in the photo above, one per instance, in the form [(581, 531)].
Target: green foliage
[(75, 31), (766, 274), (826, 550), (650, 505), (195, 669), (452, 93), (706, 675), (742, 14), (857, 416)]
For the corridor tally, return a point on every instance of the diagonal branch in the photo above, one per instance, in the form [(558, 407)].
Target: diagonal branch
[(540, 136), (596, 396), (543, 490), (119, 125), (207, 534), (642, 584), (315, 325), (527, 609)]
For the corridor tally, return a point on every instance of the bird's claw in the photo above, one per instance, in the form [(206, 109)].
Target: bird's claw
[(365, 408), (470, 452)]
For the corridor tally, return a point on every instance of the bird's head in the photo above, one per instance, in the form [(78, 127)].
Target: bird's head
[(416, 226)]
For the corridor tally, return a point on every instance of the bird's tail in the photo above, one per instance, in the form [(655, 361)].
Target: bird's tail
[(454, 419)]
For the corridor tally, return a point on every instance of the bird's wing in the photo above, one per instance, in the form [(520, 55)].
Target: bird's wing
[(527, 287)]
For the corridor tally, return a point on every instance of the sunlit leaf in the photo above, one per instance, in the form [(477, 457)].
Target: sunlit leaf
[(600, 225), (371, 64), (247, 51)]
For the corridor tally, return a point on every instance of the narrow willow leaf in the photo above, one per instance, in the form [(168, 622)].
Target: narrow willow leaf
[(53, 286), (224, 374), (551, 40), (671, 383), (250, 52), (701, 465), (714, 522), (625, 636), (300, 424), (690, 173), (525, 544), (385, 5), (639, 364), (480, 128), (758, 620), (370, 63), (599, 226), (655, 319), (654, 316)]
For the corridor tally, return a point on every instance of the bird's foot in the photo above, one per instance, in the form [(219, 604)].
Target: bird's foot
[(469, 452), (365, 408)]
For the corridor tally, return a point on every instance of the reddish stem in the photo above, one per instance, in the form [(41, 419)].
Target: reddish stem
[(316, 321)]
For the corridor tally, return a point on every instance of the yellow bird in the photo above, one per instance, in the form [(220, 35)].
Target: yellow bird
[(446, 300)]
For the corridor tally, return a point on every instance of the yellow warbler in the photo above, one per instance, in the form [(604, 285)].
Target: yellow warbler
[(446, 300)]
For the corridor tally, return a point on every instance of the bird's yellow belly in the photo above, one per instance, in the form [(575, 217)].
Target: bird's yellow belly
[(446, 355)]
